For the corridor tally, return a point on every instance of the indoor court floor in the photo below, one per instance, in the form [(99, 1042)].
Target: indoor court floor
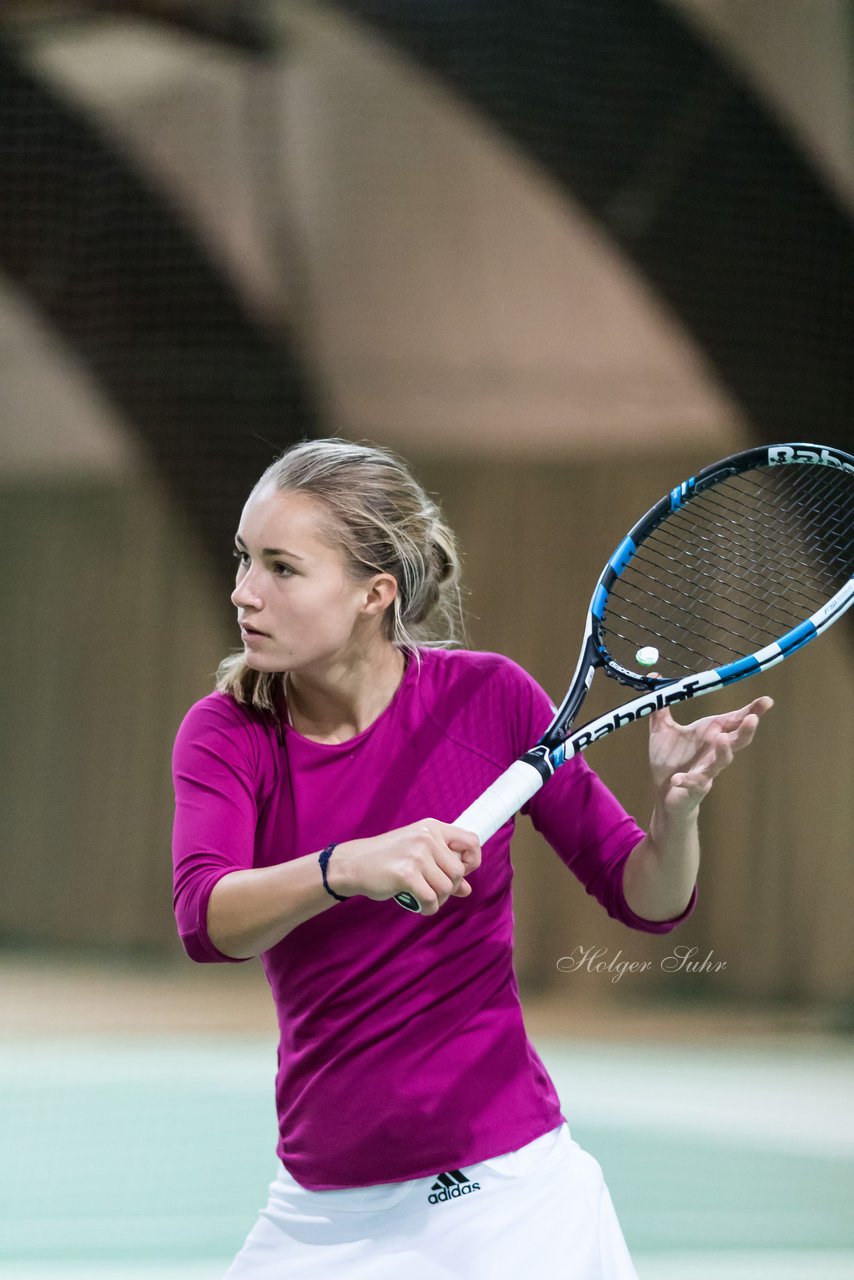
[(137, 1125)]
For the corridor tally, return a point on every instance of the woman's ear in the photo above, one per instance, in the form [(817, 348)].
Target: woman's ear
[(381, 591)]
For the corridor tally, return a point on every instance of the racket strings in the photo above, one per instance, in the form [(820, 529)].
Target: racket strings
[(731, 642), (821, 531), (789, 599), (820, 508), (734, 569), (816, 519), (703, 566), (685, 595), (674, 611), (813, 552), (750, 501), (746, 538), (668, 558), (673, 657)]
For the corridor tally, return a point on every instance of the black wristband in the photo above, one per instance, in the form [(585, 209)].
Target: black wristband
[(324, 862)]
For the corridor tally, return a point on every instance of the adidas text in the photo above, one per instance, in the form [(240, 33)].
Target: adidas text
[(450, 1186)]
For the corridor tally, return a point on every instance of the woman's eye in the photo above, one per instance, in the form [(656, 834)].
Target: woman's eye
[(279, 569)]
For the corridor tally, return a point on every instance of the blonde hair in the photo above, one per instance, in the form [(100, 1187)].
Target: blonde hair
[(384, 522)]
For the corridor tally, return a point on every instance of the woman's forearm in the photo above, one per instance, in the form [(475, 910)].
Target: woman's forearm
[(661, 871), (250, 911)]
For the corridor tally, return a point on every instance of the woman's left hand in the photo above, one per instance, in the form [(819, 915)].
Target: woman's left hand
[(686, 759)]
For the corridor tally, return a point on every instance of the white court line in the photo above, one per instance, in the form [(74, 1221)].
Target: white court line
[(247, 1066), (785, 1098), (726, 1265), (120, 1270), (755, 1265), (85, 1232), (793, 1099)]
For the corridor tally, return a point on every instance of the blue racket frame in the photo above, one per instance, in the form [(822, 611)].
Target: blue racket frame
[(516, 786)]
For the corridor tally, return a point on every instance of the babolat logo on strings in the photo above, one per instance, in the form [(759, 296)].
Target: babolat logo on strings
[(794, 453), (450, 1186)]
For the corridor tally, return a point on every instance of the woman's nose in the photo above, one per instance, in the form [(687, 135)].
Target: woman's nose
[(245, 595)]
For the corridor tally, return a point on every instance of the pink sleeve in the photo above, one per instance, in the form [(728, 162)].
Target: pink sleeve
[(583, 821), (593, 835), (213, 771)]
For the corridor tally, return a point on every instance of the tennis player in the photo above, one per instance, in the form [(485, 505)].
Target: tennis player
[(420, 1137)]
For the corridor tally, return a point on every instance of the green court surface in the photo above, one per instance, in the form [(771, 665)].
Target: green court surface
[(127, 1158)]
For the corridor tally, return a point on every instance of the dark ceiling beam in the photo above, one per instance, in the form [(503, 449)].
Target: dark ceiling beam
[(128, 286), (241, 25), (628, 110)]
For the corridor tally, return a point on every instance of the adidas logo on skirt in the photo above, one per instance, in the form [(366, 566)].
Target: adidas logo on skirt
[(450, 1186)]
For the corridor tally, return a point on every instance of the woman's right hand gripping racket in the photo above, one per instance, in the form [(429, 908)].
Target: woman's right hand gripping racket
[(728, 574)]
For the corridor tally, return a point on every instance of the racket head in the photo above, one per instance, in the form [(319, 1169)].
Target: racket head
[(753, 552)]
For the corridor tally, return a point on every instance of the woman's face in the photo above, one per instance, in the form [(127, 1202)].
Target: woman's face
[(296, 603)]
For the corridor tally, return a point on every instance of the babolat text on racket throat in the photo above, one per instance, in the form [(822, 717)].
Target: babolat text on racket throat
[(729, 573)]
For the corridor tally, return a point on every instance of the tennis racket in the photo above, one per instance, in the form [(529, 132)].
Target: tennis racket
[(727, 575)]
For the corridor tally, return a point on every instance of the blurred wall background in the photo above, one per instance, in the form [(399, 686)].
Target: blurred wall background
[(227, 226)]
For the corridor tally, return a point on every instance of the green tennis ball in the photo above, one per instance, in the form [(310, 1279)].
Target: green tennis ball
[(647, 656)]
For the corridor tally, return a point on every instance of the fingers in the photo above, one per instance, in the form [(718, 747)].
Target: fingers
[(727, 720), (663, 719), (696, 782), (716, 752), (732, 720), (686, 759), (439, 887), (719, 746), (696, 785), (740, 726), (434, 888), (463, 842), (745, 733), (445, 855)]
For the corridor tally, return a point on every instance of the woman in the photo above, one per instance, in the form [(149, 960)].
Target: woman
[(419, 1133)]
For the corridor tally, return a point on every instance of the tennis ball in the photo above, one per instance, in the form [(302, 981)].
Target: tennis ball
[(648, 656)]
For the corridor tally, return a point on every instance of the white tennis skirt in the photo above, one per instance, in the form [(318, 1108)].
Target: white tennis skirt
[(543, 1211)]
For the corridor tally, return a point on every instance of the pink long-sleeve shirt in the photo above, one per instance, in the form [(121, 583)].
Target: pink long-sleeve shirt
[(403, 1051)]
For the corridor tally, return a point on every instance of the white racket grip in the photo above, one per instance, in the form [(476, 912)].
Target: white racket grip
[(500, 801)]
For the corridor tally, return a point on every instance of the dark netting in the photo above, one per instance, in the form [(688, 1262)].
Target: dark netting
[(127, 282), (741, 565), (678, 159), (630, 113)]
